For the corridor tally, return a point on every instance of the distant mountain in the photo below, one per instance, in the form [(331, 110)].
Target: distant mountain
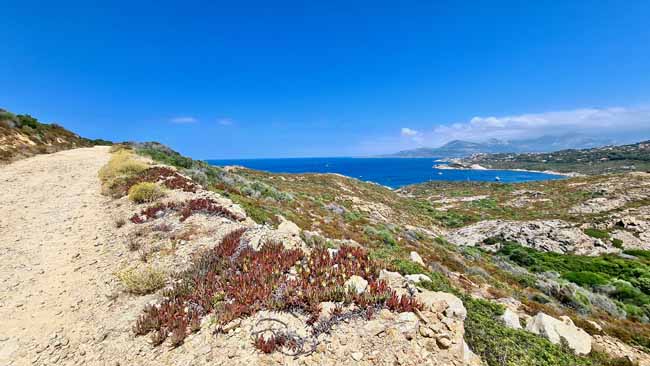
[(460, 148)]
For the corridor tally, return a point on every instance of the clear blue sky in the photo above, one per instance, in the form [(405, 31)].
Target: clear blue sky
[(324, 78)]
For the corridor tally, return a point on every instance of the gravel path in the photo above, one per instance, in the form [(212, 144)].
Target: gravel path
[(54, 268)]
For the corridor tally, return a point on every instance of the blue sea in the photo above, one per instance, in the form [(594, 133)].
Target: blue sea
[(390, 172)]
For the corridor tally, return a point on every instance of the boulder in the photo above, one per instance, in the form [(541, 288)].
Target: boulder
[(555, 329), (415, 257), (470, 358), (448, 303), (415, 278), (510, 319), (359, 284), (393, 279), (288, 227)]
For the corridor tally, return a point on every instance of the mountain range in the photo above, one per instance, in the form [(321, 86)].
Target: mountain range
[(461, 148)]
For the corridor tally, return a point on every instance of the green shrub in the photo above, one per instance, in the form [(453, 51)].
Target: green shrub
[(381, 234), (626, 275), (638, 253), (585, 278), (407, 266), (617, 243), (595, 233), (498, 345), (145, 192)]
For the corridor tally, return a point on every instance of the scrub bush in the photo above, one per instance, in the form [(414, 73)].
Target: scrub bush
[(145, 192)]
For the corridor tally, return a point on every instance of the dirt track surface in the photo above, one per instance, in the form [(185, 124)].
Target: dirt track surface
[(53, 262)]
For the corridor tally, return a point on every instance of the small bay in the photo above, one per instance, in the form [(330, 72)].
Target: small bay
[(390, 172)]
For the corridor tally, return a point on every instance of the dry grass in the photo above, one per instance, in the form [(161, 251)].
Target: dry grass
[(145, 192), (142, 281), (122, 165)]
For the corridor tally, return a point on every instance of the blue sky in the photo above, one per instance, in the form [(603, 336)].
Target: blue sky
[(332, 78)]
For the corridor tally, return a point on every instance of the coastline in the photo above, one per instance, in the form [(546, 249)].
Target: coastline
[(482, 168)]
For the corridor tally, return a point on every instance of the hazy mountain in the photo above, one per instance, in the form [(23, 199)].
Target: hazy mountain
[(460, 148)]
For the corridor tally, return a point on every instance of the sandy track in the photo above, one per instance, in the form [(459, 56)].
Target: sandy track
[(53, 263)]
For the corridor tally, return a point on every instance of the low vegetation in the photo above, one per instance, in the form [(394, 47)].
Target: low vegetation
[(185, 210), (499, 345), (233, 280), (145, 192), (388, 224), (122, 166), (143, 280)]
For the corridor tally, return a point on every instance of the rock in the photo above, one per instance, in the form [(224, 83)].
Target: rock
[(448, 303), (288, 227), (595, 325), (407, 324), (326, 309), (336, 208), (510, 303), (393, 279), (617, 349), (357, 356), (415, 278), (470, 358), (545, 235), (555, 329), (415, 257), (359, 284), (598, 205), (629, 240), (443, 342), (332, 252), (510, 319)]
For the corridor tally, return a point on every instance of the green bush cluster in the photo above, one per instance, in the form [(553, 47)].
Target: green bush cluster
[(499, 345), (596, 233), (628, 280), (381, 234)]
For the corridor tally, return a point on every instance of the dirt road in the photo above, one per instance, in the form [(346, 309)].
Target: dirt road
[(53, 258)]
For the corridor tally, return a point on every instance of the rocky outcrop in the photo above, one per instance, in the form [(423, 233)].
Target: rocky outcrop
[(415, 257), (598, 205), (545, 235), (510, 319), (557, 329), (616, 348)]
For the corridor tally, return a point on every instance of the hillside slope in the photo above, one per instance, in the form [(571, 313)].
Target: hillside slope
[(22, 136), (601, 160), (181, 262)]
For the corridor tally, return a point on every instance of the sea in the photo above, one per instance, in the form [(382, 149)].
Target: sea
[(389, 172)]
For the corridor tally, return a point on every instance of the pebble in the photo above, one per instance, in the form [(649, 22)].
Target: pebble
[(357, 356)]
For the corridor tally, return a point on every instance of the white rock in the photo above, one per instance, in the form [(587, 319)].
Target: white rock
[(392, 279), (415, 257), (470, 358), (510, 319), (288, 227), (357, 356), (359, 284), (407, 323), (443, 301), (415, 278), (555, 329)]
